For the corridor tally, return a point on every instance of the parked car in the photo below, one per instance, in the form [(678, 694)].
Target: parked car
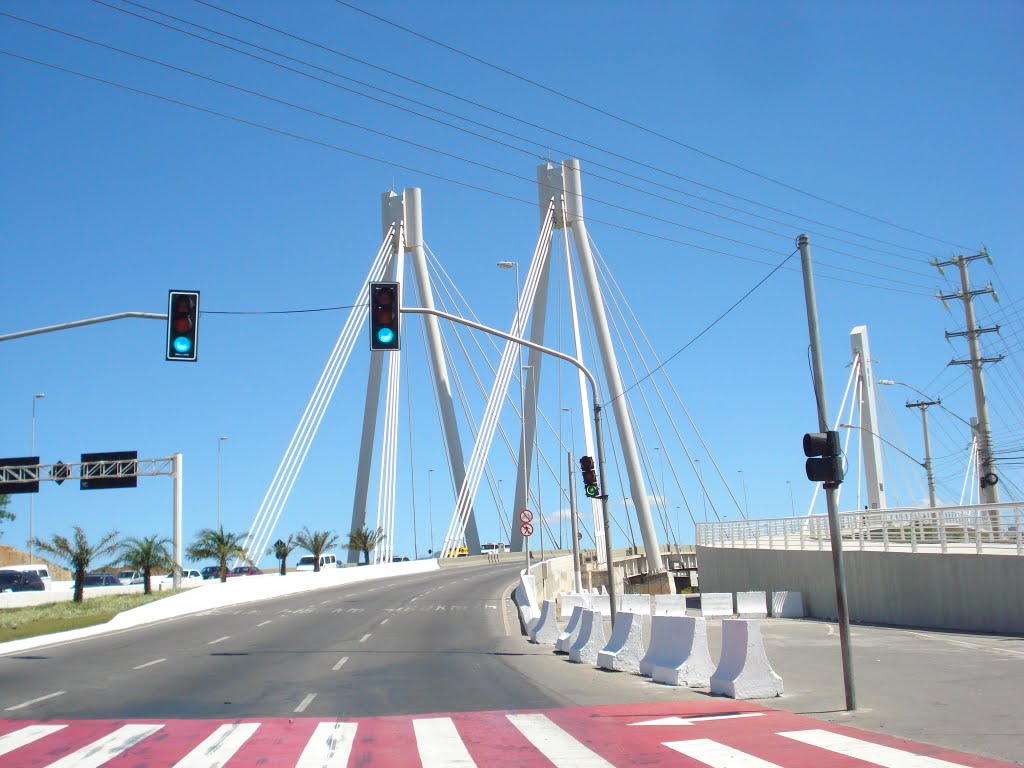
[(188, 576), (128, 577), (210, 572), (101, 580), (41, 570), (20, 581), (245, 570), (306, 562)]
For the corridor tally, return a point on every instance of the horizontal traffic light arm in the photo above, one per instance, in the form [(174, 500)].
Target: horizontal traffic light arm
[(79, 323)]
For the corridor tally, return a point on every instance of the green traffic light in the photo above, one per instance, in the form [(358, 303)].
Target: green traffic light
[(592, 491)]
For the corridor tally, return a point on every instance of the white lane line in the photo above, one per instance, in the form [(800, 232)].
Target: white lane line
[(964, 643), (340, 664), (440, 745), (414, 600), (365, 637), (149, 664), (555, 744), (717, 755), (17, 739), (305, 702), (876, 754), (329, 746), (106, 749), (219, 747), (384, 621), (219, 639), (264, 623), (34, 701)]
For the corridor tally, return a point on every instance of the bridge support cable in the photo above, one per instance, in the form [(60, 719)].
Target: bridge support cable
[(284, 478), (467, 490)]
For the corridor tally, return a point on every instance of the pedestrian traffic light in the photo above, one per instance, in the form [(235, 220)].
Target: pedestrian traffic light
[(385, 314), (590, 477), (183, 325), (825, 462)]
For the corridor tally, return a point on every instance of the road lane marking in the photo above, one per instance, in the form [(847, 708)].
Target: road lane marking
[(340, 664), (34, 701), (697, 719), (12, 741), (330, 745), (106, 749), (219, 639), (217, 748), (364, 638), (305, 702), (876, 754), (556, 745), (262, 623), (149, 664), (717, 755), (385, 621), (440, 745)]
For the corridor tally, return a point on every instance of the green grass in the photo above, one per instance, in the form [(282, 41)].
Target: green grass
[(17, 623)]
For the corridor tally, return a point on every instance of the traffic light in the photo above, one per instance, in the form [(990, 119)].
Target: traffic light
[(825, 462), (384, 316), (183, 325), (590, 477)]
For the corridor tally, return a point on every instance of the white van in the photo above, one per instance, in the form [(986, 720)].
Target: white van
[(307, 562), (41, 569)]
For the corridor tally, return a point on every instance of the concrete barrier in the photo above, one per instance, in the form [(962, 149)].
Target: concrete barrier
[(525, 596), (665, 630), (546, 630), (626, 648), (788, 605), (572, 630), (590, 639), (752, 605), (669, 605), (602, 603), (744, 671), (691, 665), (635, 604), (715, 604), (569, 600)]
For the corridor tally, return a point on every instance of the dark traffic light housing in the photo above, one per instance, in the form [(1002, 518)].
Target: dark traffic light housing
[(825, 458), (183, 326), (590, 483), (385, 316)]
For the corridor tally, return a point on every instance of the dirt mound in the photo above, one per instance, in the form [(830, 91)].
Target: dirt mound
[(14, 556)]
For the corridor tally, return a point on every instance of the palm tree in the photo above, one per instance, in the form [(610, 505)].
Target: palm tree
[(4, 514), (281, 550), (365, 541), (78, 553), (145, 554), (219, 545), (316, 542)]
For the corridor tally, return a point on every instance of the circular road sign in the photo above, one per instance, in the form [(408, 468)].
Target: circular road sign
[(526, 529), (526, 515)]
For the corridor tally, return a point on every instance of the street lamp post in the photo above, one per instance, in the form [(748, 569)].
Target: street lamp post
[(746, 508), (32, 496), (792, 506), (220, 440), (430, 508)]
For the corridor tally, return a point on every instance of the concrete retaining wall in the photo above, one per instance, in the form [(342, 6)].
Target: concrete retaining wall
[(969, 592)]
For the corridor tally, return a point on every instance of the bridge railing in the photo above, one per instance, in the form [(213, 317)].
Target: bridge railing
[(980, 529)]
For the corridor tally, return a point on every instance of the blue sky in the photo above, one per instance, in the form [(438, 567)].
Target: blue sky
[(905, 112)]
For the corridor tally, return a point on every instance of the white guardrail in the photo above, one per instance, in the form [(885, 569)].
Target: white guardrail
[(992, 529)]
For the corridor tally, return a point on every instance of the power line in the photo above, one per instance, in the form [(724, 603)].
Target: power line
[(631, 123)]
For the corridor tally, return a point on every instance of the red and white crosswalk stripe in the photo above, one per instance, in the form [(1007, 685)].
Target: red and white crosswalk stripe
[(710, 734)]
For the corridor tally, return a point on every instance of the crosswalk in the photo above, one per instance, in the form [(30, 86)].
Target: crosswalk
[(579, 737)]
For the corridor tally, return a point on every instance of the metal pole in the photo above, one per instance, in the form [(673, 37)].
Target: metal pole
[(430, 509), (220, 440), (32, 496), (605, 513), (176, 479), (577, 566), (830, 493)]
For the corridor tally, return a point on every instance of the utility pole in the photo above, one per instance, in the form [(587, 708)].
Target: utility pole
[(830, 492), (987, 476), (923, 405)]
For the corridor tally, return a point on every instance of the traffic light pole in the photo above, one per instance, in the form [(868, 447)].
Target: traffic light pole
[(606, 514), (830, 492)]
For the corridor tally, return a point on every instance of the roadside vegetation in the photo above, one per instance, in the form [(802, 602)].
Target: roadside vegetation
[(16, 623)]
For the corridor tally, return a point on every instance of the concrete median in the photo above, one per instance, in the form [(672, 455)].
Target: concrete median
[(744, 671), (626, 648), (590, 639), (688, 662), (572, 630), (546, 630)]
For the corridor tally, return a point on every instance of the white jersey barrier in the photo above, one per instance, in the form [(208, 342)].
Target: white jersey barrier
[(743, 671), (602, 603), (661, 650), (669, 605), (546, 630), (626, 648), (590, 639), (572, 629), (788, 605), (690, 662), (752, 605), (635, 604), (715, 604), (569, 600)]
